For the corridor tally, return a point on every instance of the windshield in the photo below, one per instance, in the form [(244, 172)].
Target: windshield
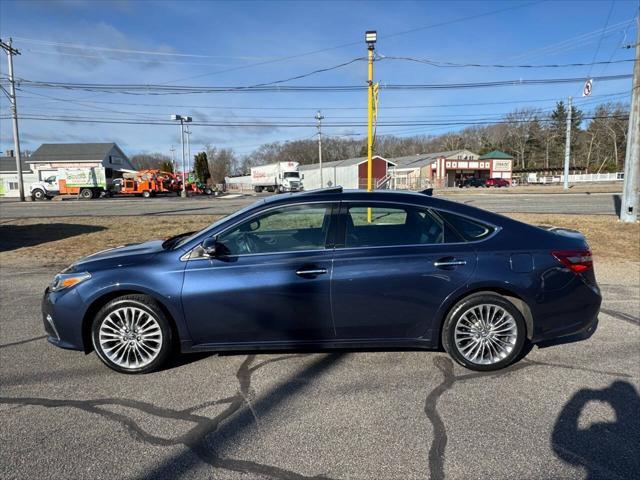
[(185, 240), (291, 175)]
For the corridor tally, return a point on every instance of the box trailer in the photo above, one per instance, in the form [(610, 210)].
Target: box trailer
[(276, 177)]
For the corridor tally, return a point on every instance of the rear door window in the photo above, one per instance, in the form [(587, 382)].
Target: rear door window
[(469, 230), (381, 225)]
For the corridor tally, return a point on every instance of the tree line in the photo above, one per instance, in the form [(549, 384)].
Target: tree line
[(535, 138)]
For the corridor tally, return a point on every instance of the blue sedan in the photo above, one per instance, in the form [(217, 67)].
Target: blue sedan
[(332, 269)]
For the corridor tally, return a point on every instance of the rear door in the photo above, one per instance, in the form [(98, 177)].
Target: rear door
[(273, 284), (391, 272)]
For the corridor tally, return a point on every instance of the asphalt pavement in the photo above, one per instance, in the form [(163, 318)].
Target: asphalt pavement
[(570, 203), (568, 412)]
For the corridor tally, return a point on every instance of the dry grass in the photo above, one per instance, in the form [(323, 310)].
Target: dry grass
[(59, 241)]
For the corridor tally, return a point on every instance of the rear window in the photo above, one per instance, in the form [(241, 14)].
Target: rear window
[(470, 230)]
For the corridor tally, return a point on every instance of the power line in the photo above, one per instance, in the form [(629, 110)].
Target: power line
[(435, 63), (349, 44), (155, 89), (76, 119), (313, 107), (595, 54), (85, 46), (40, 111)]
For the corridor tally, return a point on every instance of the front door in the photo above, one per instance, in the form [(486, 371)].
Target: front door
[(271, 284), (398, 264)]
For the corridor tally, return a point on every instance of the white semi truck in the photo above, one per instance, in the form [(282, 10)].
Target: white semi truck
[(276, 177)]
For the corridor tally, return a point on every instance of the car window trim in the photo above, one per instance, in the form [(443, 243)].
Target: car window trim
[(341, 245), (327, 246)]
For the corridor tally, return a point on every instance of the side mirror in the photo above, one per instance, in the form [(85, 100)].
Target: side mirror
[(210, 246), (302, 177)]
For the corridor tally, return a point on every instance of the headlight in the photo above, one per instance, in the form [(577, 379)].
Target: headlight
[(67, 280)]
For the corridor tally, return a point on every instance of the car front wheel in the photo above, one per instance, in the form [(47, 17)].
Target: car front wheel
[(484, 332), (132, 335)]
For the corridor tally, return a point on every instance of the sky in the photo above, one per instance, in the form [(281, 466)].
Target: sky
[(230, 44)]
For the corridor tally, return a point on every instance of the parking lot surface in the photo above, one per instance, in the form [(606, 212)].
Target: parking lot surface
[(574, 203), (569, 411)]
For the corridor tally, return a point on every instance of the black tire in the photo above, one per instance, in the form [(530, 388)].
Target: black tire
[(146, 194), (208, 191), (86, 194), (38, 195), (150, 306), (475, 300), (96, 193)]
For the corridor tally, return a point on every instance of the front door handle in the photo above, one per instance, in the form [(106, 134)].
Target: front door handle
[(445, 262), (308, 272)]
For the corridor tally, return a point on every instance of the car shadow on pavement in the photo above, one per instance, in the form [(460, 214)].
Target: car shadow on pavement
[(606, 449), (13, 237)]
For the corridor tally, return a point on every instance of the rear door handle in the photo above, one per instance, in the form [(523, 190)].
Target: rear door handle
[(449, 263), (307, 272)]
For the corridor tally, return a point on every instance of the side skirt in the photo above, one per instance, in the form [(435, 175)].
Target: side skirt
[(374, 344)]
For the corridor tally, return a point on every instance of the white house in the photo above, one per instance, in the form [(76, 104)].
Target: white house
[(49, 157), (9, 176)]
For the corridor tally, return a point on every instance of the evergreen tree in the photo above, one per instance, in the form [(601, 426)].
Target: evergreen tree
[(201, 167)]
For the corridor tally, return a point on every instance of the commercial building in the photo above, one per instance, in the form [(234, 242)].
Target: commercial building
[(350, 173)]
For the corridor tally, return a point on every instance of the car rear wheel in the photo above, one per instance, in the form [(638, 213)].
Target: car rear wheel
[(484, 332), (132, 335)]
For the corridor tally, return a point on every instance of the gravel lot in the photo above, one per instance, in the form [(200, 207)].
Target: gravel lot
[(564, 412)]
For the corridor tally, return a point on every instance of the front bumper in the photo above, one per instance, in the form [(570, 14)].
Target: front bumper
[(62, 314)]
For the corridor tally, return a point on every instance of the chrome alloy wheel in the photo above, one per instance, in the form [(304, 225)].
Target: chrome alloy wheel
[(485, 334), (130, 337)]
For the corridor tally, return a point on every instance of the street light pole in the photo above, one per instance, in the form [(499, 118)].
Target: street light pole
[(184, 183), (319, 118), (14, 114), (182, 119), (188, 134)]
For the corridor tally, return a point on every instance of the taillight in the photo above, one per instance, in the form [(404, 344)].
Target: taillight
[(576, 260)]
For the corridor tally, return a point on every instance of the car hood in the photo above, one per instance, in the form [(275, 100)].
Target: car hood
[(124, 254)]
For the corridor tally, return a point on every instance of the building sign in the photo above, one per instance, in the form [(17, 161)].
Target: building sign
[(502, 165)]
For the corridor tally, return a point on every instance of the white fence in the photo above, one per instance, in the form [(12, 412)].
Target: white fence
[(578, 178)]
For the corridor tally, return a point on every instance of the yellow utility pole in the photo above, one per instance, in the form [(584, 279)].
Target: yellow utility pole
[(370, 37)]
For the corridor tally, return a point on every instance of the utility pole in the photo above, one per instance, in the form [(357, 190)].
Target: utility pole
[(319, 118), (173, 159), (567, 146), (14, 114), (188, 134), (630, 203), (370, 37)]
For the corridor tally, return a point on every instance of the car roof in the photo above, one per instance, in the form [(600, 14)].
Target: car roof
[(336, 194)]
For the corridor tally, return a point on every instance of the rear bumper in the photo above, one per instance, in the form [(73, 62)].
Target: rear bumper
[(584, 333), (569, 318)]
